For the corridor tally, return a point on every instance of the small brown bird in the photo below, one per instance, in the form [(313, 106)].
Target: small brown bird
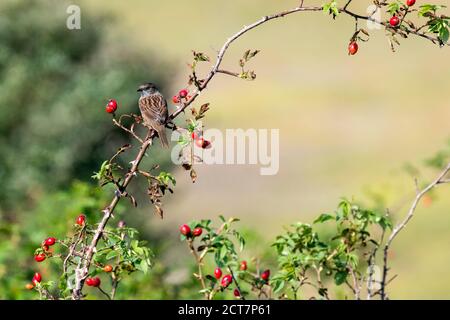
[(154, 110)]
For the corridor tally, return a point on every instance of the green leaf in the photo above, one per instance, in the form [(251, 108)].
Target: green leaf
[(102, 172), (340, 277), (394, 7), (200, 56), (166, 177), (143, 266), (323, 217), (278, 285), (331, 8), (444, 34), (111, 255), (223, 252), (427, 9)]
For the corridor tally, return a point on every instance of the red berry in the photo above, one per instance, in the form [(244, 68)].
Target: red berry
[(226, 280), (353, 48), (183, 93), (197, 232), (81, 220), (29, 286), (93, 282), (194, 135), (202, 143), (176, 99), (394, 21), (112, 103), (265, 275), (111, 107), (236, 293), (49, 241), (243, 266), (39, 257), (108, 268), (217, 273), (45, 247), (37, 278), (185, 230), (410, 3)]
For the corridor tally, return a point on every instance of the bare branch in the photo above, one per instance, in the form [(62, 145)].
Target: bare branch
[(439, 180)]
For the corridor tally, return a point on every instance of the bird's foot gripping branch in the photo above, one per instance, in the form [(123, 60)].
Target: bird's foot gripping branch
[(305, 257)]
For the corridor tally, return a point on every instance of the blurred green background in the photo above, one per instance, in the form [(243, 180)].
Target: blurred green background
[(348, 125)]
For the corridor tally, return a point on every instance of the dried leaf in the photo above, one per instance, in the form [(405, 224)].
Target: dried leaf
[(186, 166), (159, 211), (193, 175), (204, 108)]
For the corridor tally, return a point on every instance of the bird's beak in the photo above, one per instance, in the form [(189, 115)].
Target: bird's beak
[(139, 90)]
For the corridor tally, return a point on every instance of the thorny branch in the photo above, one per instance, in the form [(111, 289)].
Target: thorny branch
[(82, 269), (199, 264)]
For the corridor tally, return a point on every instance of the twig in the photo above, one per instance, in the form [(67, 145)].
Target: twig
[(236, 282), (199, 264), (439, 180), (347, 4), (371, 263), (102, 291), (130, 131)]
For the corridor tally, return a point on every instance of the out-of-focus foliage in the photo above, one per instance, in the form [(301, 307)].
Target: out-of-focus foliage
[(54, 85), (55, 216)]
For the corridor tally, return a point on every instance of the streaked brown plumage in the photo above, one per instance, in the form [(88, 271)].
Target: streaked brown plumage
[(154, 110)]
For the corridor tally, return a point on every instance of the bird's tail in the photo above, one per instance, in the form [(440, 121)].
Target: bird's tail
[(161, 130)]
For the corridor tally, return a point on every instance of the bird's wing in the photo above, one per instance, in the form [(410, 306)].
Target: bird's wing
[(154, 108)]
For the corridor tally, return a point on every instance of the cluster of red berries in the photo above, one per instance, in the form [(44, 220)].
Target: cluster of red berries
[(93, 282), (182, 94), (226, 279), (111, 107), (394, 21), (186, 231), (46, 244), (37, 278)]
